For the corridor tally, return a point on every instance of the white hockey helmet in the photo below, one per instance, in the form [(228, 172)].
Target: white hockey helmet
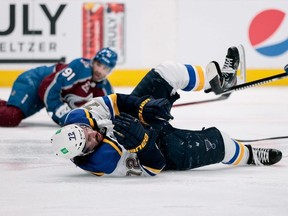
[(69, 141)]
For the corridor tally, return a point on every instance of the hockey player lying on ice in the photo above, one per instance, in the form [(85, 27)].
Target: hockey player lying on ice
[(59, 88), (122, 135)]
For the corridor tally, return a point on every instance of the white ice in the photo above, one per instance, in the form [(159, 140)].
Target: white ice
[(34, 182)]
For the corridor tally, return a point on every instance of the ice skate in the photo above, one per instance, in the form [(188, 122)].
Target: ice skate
[(263, 156), (225, 78), (228, 75)]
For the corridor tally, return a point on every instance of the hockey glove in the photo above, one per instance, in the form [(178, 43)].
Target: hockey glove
[(154, 109), (130, 133)]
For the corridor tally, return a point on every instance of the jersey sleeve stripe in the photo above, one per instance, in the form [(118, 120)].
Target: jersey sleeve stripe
[(114, 145), (89, 117), (109, 105), (113, 98)]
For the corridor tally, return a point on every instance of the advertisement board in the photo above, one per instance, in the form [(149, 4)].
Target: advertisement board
[(34, 32), (103, 26), (143, 33)]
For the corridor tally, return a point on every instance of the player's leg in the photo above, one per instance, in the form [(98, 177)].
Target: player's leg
[(237, 153), (10, 116), (11, 113), (154, 85), (164, 80), (221, 79), (23, 100), (185, 149), (3, 102)]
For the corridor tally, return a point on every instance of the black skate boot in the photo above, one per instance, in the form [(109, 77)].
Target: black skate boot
[(229, 69), (263, 156), (221, 80)]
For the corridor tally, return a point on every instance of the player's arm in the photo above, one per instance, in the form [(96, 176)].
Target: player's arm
[(130, 133), (146, 109), (50, 92)]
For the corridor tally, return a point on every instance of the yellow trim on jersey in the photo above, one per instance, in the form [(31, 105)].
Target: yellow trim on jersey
[(201, 78), (89, 118), (113, 98), (156, 171), (98, 173), (118, 149), (241, 154)]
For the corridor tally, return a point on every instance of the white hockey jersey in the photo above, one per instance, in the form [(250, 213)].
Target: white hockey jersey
[(111, 158)]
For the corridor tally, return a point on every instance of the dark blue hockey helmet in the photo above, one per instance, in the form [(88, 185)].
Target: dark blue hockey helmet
[(107, 57)]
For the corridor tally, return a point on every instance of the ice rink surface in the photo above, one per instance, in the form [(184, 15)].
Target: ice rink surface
[(34, 182)]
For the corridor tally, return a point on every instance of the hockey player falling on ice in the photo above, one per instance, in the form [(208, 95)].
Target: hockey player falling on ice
[(59, 88), (120, 135)]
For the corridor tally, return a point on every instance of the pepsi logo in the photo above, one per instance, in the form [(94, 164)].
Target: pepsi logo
[(268, 32)]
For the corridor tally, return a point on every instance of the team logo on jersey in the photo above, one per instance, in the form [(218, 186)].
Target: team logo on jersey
[(209, 145), (75, 101), (268, 32)]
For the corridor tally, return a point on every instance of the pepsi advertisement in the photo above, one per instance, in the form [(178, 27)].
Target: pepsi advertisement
[(265, 33), (143, 33)]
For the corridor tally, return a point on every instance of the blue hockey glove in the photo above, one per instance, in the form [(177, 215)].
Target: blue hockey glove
[(154, 109), (130, 133)]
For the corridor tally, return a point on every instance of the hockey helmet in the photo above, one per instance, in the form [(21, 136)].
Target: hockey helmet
[(69, 141), (107, 57)]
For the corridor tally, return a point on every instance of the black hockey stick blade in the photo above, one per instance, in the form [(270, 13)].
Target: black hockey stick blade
[(263, 139), (221, 97)]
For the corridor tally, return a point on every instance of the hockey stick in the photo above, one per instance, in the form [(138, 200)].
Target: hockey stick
[(256, 82), (263, 139), (221, 97), (225, 94), (241, 78)]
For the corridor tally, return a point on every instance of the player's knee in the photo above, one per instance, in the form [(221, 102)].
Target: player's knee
[(10, 116), (153, 84), (184, 149)]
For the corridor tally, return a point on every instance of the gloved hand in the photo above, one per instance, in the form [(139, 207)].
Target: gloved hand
[(154, 109), (130, 133)]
